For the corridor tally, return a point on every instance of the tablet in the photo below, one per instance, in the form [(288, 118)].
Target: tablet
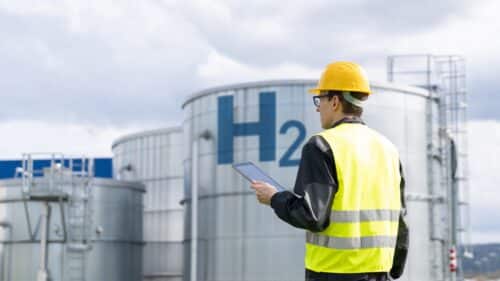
[(252, 172)]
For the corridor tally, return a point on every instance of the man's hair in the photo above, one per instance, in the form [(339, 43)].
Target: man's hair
[(347, 107)]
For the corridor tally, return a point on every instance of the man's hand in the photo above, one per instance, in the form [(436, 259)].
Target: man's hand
[(263, 191)]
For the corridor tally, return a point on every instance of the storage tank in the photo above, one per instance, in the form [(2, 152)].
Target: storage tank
[(62, 226), (268, 123), (155, 159)]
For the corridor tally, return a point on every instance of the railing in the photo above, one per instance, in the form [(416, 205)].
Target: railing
[(65, 181)]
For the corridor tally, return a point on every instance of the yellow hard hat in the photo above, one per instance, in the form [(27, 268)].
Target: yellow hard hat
[(343, 76)]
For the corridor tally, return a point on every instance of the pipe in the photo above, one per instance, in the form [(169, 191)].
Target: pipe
[(194, 202), (63, 220), (194, 209), (6, 262), (43, 274), (28, 220)]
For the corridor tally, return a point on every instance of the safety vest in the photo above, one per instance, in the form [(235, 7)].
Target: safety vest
[(361, 236)]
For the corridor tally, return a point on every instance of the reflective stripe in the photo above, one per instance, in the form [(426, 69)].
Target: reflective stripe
[(352, 242), (364, 215)]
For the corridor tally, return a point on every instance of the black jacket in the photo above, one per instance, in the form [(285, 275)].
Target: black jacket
[(309, 206)]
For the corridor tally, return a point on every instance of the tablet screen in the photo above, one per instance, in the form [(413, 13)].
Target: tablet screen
[(252, 172)]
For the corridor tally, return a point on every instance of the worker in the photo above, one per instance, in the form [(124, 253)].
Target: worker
[(348, 193)]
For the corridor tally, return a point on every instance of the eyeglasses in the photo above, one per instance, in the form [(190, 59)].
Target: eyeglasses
[(317, 99)]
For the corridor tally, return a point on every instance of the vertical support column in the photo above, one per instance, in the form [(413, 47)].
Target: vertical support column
[(194, 210), (43, 274), (6, 253)]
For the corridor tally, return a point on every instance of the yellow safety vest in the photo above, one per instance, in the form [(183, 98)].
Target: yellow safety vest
[(361, 236)]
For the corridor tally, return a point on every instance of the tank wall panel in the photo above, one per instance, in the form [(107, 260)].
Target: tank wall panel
[(156, 158)]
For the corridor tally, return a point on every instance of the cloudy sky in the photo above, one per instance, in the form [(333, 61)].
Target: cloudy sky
[(89, 71)]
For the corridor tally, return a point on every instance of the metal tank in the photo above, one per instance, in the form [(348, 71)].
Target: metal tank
[(155, 159), (61, 225), (267, 123)]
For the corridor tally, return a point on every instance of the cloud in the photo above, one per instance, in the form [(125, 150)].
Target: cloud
[(97, 62), (107, 62), (265, 33), (219, 70), (69, 139)]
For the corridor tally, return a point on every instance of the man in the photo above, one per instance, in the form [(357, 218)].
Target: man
[(348, 193)]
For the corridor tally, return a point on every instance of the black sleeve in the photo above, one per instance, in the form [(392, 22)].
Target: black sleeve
[(308, 207), (403, 238), (402, 189)]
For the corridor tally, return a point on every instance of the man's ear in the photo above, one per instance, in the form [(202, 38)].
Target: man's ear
[(335, 102)]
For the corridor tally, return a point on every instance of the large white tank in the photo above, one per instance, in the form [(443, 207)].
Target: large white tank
[(97, 236), (268, 123), (155, 159)]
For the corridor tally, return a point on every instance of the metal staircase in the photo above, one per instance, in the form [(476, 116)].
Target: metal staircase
[(445, 79)]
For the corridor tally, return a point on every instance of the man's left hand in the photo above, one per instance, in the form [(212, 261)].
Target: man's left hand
[(263, 191)]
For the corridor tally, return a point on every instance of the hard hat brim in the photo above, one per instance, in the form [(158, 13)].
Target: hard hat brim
[(316, 91)]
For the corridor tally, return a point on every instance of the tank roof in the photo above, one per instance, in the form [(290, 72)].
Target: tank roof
[(96, 181), (270, 83), (147, 133)]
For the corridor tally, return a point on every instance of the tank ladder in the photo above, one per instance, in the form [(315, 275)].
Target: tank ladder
[(451, 70), (79, 220)]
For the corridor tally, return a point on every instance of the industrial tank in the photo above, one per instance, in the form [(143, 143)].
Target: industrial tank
[(61, 226), (155, 159), (267, 123)]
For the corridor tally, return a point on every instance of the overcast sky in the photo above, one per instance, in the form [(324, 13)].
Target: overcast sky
[(90, 71)]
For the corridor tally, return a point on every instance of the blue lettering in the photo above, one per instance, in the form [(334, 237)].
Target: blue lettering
[(286, 160), (265, 128)]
